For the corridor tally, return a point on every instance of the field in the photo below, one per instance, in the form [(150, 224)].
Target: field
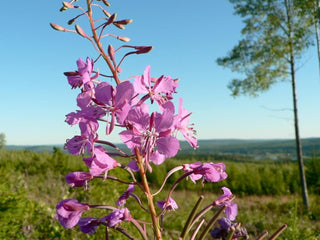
[(267, 195)]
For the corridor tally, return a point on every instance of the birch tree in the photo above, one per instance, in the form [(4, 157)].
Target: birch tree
[(275, 36)]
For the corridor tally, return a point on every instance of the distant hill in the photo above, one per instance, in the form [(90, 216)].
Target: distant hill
[(275, 148)]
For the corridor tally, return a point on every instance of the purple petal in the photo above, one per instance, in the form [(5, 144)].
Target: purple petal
[(157, 158), (84, 99), (164, 84), (73, 118), (78, 179), (124, 93), (88, 225), (231, 211), (168, 146), (69, 212), (103, 93), (133, 166), (130, 139)]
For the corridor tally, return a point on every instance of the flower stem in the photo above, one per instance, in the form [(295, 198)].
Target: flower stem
[(99, 45), (140, 229), (190, 218), (211, 223), (263, 235), (155, 219), (278, 232)]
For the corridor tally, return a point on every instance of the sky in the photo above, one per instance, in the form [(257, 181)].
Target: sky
[(187, 36)]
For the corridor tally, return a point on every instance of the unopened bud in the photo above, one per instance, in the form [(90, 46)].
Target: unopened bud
[(143, 49), (119, 25), (124, 21), (67, 5), (124, 39), (80, 31), (106, 3), (57, 27), (111, 19), (71, 21), (68, 74), (63, 9), (111, 52), (106, 13)]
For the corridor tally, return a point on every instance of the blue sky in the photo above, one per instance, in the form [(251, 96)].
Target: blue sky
[(187, 36)]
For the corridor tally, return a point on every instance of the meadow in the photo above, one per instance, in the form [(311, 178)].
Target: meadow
[(267, 195)]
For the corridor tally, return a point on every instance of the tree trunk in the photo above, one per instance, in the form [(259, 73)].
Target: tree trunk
[(316, 25), (304, 190)]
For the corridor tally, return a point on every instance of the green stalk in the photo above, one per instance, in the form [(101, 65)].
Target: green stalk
[(190, 218), (278, 232), (211, 223)]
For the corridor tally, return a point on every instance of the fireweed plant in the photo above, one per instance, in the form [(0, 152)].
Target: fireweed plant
[(150, 136)]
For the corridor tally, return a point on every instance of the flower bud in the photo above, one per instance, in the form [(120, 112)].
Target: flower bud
[(71, 21), (143, 49), (124, 21), (57, 27), (80, 31), (119, 25), (111, 19), (67, 5), (106, 13), (106, 3), (111, 52), (124, 39), (63, 9)]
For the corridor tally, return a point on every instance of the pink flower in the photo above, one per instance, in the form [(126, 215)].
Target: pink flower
[(69, 212), (100, 162), (182, 125), (89, 225), (162, 89), (171, 205), (123, 198), (90, 113), (211, 172), (226, 200), (189, 168), (78, 179), (117, 216), (116, 101), (83, 75), (151, 134), (79, 144)]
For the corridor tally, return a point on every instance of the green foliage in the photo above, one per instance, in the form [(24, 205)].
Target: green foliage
[(274, 32), (2, 141), (313, 174), (34, 184)]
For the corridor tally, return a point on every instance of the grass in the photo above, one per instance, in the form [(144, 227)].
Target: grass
[(33, 183)]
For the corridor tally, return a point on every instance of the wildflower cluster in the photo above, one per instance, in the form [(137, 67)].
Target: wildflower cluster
[(150, 136)]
